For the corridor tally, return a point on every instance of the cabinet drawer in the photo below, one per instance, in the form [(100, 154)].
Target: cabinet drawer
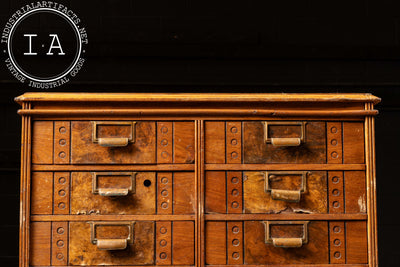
[(275, 192), (89, 243), (113, 193), (113, 142), (295, 142), (286, 242)]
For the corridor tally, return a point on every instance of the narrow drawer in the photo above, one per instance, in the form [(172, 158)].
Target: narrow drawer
[(90, 243), (276, 192), (112, 193), (113, 142), (286, 242), (296, 142)]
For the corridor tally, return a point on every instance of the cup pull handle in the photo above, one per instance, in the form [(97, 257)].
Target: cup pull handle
[(112, 243), (285, 195), (287, 242), (291, 242), (113, 192), (111, 141), (284, 141)]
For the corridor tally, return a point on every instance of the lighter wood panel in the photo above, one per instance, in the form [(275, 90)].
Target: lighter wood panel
[(356, 242), (42, 193), (215, 195), (183, 243), (353, 142), (356, 193), (61, 193), (40, 243), (215, 238), (184, 195), (42, 142), (215, 141), (235, 242), (184, 142), (337, 242)]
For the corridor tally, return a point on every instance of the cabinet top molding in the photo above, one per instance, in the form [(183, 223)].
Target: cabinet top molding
[(195, 97)]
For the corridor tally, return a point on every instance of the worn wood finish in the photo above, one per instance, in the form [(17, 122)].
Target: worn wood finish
[(337, 242), (184, 201), (334, 142), (84, 151), (258, 252), (184, 142), (183, 243), (164, 243), (83, 201), (164, 192), (83, 252), (215, 238), (211, 139), (62, 136), (255, 149), (42, 193), (215, 141), (337, 192), (42, 147), (60, 243), (353, 142), (164, 142), (233, 142), (356, 196), (215, 192), (40, 241), (61, 192), (256, 200)]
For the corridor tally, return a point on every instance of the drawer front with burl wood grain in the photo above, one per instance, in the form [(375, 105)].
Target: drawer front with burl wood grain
[(286, 242), (90, 243), (112, 193), (113, 142), (295, 142)]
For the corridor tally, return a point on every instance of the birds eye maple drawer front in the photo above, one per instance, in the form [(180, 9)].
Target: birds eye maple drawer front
[(198, 180)]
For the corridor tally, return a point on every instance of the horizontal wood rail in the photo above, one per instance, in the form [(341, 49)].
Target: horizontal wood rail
[(284, 167), (74, 218), (185, 112), (285, 217), (119, 167)]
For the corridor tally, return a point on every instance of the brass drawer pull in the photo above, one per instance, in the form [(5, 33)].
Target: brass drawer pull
[(292, 242), (113, 192), (111, 141), (285, 195), (285, 141), (111, 244)]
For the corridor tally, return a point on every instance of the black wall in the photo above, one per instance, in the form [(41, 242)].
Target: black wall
[(244, 46)]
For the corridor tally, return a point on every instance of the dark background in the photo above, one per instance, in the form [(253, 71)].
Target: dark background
[(244, 46)]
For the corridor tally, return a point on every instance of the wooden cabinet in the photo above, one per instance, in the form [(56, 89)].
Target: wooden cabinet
[(198, 179)]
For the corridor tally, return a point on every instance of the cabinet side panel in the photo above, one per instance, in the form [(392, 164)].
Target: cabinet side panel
[(42, 142)]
